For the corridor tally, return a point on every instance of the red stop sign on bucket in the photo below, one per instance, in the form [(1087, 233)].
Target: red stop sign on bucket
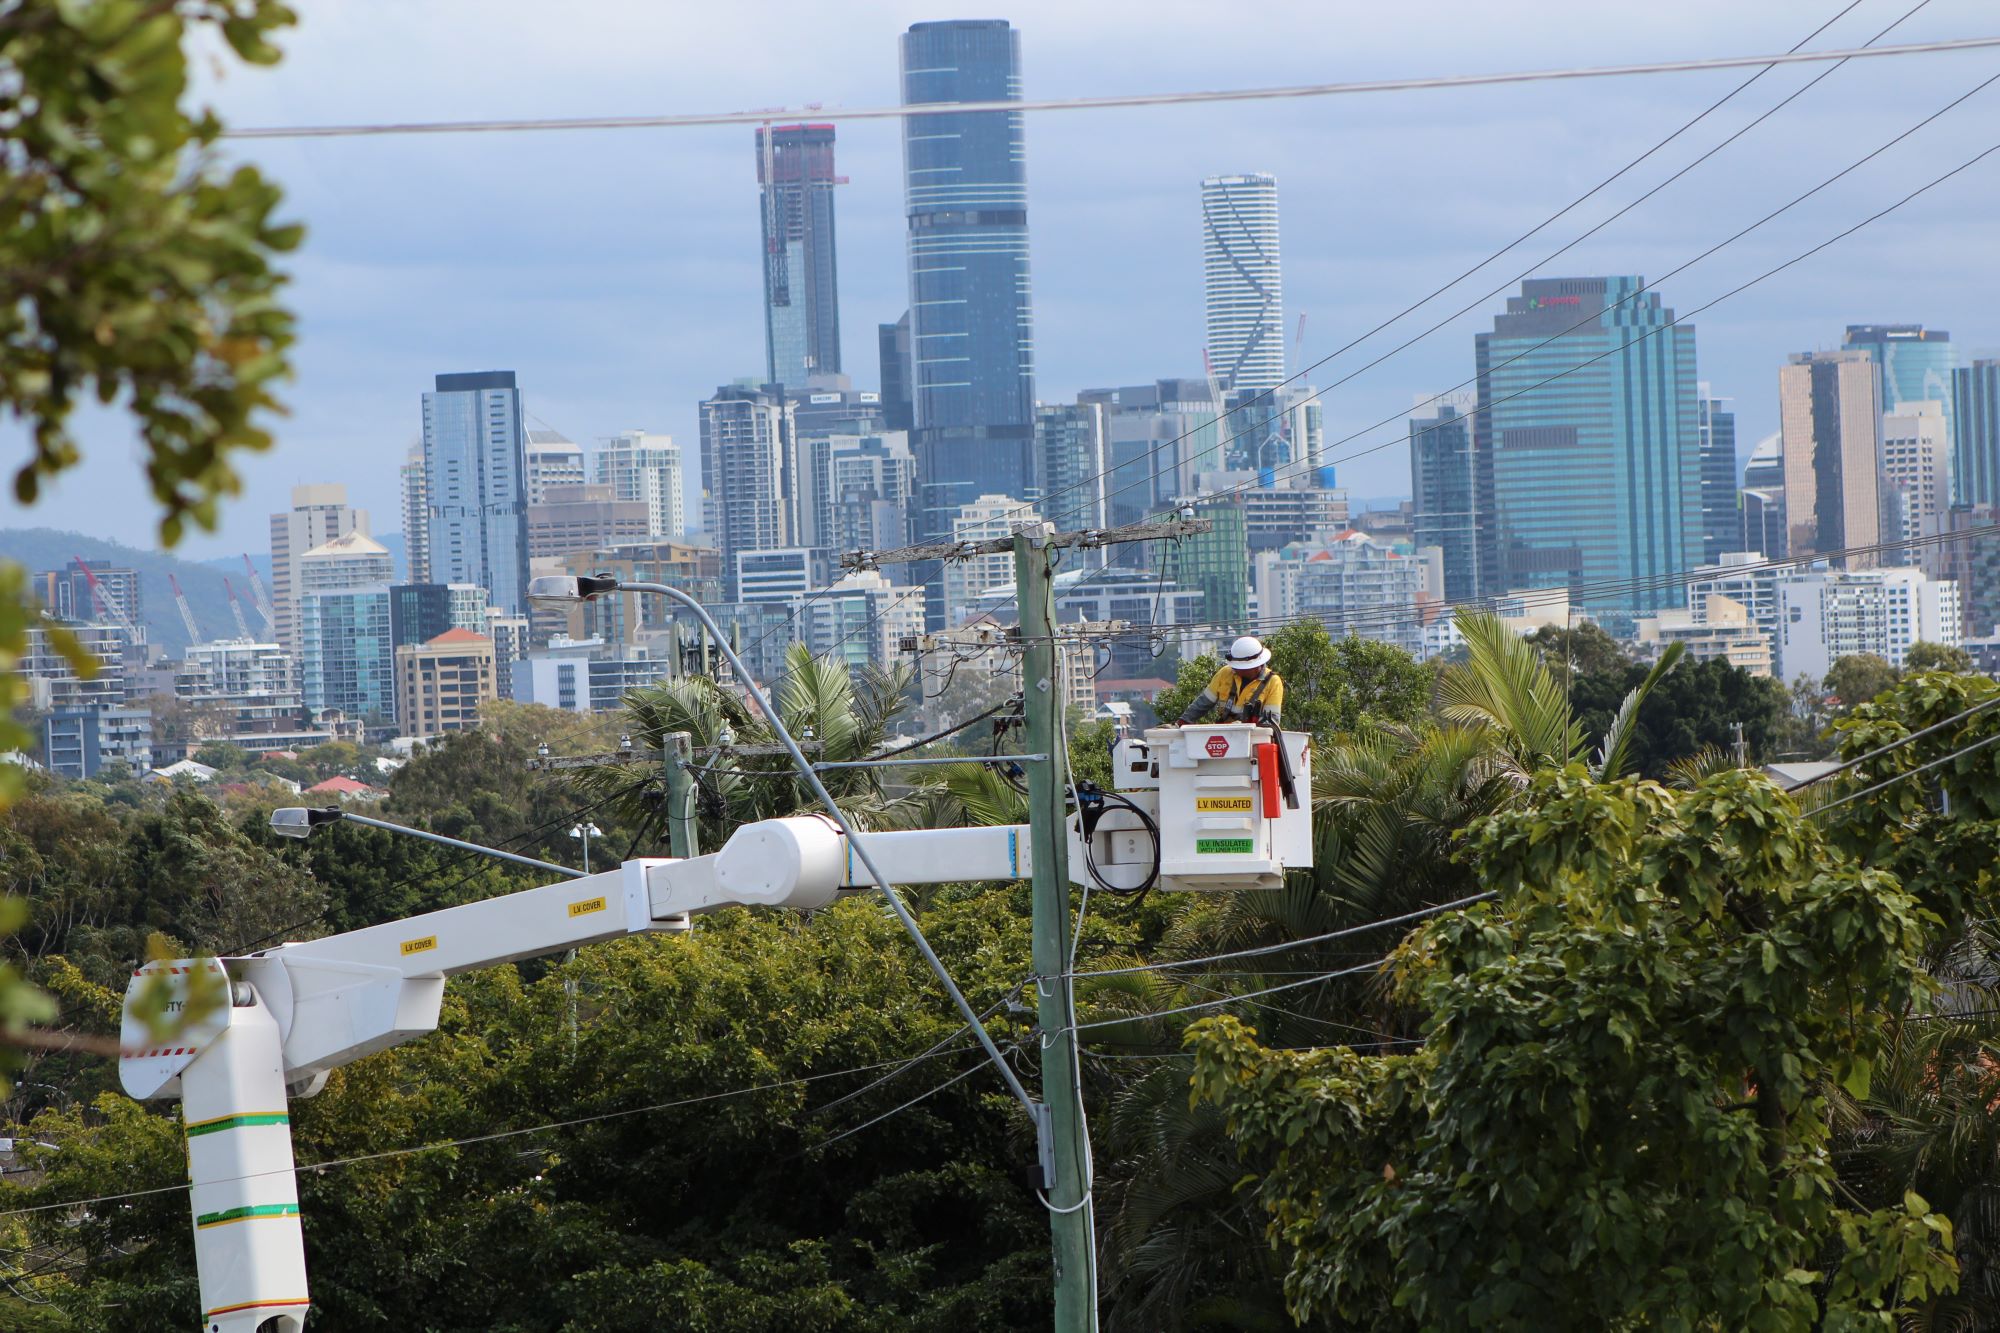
[(1218, 746)]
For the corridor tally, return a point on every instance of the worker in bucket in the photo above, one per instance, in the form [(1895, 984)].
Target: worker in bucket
[(1246, 689)]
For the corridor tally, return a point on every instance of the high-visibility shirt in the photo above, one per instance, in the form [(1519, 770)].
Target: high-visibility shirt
[(1240, 697)]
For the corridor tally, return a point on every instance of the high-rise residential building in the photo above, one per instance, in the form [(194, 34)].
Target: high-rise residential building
[(861, 619), (353, 561), (1161, 439), (1444, 505), (583, 518), (1272, 432), (475, 461), (1721, 523), (1916, 470), (552, 459), (987, 517), (892, 348), (1353, 584), (625, 621), (796, 179), (441, 683), (1975, 454), (1971, 558), (416, 496), (1070, 463), (81, 743), (1242, 281), (1913, 364), (511, 635), (419, 612), (1830, 431), (346, 655), (319, 514), (53, 682), (646, 468), (1596, 475), (253, 687), (861, 486), (971, 329), (1719, 630), (1303, 510), (778, 574), (1827, 614), (94, 592), (749, 467), (1745, 578)]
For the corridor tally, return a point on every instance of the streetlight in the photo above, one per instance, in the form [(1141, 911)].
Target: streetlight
[(299, 821), (585, 831)]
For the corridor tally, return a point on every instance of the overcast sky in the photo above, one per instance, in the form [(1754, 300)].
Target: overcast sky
[(617, 272)]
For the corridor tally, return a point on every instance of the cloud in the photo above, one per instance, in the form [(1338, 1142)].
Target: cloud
[(617, 271)]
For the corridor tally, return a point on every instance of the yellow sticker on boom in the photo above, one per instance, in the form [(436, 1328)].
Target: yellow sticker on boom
[(586, 907), (420, 945), (1230, 804)]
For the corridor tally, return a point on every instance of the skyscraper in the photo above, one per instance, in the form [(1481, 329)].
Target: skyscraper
[(1830, 431), (646, 468), (1442, 492), (1070, 463), (1596, 475), (1916, 472), (1975, 455), (476, 466), (1912, 364), (892, 347), (553, 459), (749, 469), (1721, 524), (319, 514), (971, 331), (1242, 282), (416, 493), (801, 292)]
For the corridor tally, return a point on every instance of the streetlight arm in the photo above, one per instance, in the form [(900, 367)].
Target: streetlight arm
[(299, 822), (857, 845)]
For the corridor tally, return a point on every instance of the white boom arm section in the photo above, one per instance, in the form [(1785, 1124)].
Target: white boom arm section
[(298, 1011), (301, 1010)]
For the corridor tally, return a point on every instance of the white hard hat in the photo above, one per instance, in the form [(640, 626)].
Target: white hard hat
[(1248, 652)]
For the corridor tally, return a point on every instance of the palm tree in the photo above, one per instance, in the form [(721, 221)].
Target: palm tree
[(847, 711)]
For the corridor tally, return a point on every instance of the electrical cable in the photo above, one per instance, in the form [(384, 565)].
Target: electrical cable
[(1883, 749), (893, 1111), (469, 1141), (948, 731), (453, 863), (1232, 999), (1524, 236), (1016, 106), (1596, 317), (1265, 949), (1959, 753)]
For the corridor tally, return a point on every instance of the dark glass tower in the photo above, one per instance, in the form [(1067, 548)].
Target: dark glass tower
[(971, 334), (1975, 424), (1444, 490), (1721, 523), (801, 297), (1589, 418)]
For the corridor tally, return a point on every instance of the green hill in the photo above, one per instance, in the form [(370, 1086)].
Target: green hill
[(51, 548)]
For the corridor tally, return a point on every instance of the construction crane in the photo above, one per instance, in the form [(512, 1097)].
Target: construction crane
[(187, 613), (263, 598), (105, 604), (1221, 431), (236, 609)]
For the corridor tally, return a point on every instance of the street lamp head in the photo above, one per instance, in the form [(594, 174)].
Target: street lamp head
[(570, 587), (298, 821)]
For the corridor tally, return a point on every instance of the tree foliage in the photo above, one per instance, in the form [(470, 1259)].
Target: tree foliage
[(1624, 1071), (1332, 686)]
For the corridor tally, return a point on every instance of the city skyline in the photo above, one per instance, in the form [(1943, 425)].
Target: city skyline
[(1109, 314)]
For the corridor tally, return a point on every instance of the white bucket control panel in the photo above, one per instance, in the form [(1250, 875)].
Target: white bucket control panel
[(1203, 808)]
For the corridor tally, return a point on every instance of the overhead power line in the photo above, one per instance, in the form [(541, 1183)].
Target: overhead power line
[(816, 112), (1545, 223)]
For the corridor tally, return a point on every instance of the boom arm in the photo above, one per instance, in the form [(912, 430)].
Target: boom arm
[(298, 1011)]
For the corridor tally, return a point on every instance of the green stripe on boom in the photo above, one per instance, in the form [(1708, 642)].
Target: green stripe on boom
[(237, 1122), (251, 1211)]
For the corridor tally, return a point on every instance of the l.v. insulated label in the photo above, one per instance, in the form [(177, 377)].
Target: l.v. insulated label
[(1231, 805), (1224, 846)]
